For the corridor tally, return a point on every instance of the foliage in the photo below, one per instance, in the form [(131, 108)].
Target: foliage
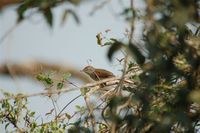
[(165, 96), (45, 7)]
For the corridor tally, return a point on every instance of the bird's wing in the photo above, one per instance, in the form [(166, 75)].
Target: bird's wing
[(103, 73)]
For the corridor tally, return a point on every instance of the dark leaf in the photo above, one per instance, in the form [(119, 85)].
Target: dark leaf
[(48, 16), (7, 125), (114, 48), (139, 58), (21, 11), (75, 16)]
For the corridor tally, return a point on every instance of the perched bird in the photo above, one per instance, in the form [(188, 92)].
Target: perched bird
[(97, 74)]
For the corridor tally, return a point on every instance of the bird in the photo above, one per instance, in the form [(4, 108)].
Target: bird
[(97, 73)]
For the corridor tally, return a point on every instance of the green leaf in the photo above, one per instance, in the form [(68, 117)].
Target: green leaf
[(48, 16), (66, 76), (7, 125), (60, 85), (108, 43), (78, 107), (114, 48), (84, 91), (68, 116), (21, 11), (49, 81), (45, 78), (40, 77), (139, 58), (32, 114), (33, 125)]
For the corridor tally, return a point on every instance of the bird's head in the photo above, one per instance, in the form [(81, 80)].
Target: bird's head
[(89, 69)]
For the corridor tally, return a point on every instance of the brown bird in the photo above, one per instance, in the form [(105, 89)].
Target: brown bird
[(97, 74)]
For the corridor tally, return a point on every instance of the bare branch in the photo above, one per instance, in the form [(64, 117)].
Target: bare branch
[(5, 3), (34, 67)]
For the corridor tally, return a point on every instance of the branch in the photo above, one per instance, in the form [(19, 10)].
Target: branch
[(64, 90), (99, 6), (34, 67), (4, 3), (43, 93)]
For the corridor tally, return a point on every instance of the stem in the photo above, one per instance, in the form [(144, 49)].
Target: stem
[(68, 104)]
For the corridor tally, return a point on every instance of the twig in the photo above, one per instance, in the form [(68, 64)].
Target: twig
[(14, 123), (90, 113), (97, 7), (113, 125), (44, 93), (8, 32), (53, 102), (132, 23), (59, 119), (68, 105), (14, 27)]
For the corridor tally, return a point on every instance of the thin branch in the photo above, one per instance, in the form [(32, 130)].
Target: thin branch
[(4, 3), (55, 109), (31, 68), (90, 112), (15, 26), (14, 123), (44, 93), (9, 32), (113, 125), (68, 105), (126, 55), (132, 23), (99, 6)]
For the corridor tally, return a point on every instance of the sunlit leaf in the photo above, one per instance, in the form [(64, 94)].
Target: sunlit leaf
[(195, 96), (68, 116), (66, 76), (64, 16), (99, 38), (78, 107)]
